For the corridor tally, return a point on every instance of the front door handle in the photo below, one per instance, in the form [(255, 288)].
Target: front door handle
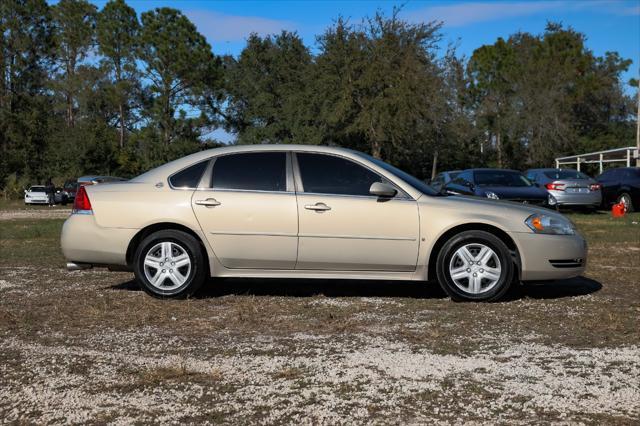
[(319, 207), (209, 202)]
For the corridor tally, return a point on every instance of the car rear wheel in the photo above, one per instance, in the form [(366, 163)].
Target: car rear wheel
[(170, 264), (475, 266), (625, 200)]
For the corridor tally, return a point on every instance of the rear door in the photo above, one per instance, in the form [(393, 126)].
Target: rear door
[(248, 210), (343, 226)]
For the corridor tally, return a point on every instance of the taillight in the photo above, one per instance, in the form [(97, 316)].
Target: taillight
[(552, 186), (595, 187), (81, 204)]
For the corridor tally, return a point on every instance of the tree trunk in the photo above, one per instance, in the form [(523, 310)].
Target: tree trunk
[(121, 109), (499, 148), (434, 167), (376, 149)]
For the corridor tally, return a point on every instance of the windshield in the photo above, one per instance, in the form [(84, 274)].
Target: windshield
[(37, 189), (565, 174), (411, 180), (500, 178)]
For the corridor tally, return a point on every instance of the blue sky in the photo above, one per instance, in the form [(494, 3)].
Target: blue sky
[(610, 25)]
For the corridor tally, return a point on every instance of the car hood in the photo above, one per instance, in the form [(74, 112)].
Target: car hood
[(517, 192)]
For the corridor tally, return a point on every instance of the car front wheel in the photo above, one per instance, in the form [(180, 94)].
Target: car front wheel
[(475, 266), (170, 264)]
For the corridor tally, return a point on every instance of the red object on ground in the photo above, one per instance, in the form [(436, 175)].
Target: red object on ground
[(618, 210)]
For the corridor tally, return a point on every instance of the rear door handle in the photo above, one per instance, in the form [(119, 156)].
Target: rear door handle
[(209, 202), (319, 207)]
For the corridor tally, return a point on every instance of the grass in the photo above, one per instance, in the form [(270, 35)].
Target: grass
[(31, 242), (6, 204)]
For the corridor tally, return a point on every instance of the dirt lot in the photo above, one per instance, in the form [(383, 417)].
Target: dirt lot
[(89, 347)]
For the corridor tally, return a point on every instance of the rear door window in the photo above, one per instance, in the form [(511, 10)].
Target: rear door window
[(189, 178), (254, 171)]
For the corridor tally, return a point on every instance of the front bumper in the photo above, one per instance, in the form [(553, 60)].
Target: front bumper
[(550, 257), (84, 242)]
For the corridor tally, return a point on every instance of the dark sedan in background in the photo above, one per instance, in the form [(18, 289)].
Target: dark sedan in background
[(621, 185), (498, 184)]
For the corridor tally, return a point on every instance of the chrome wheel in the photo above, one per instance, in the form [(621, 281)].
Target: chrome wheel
[(625, 200), (167, 266), (475, 268)]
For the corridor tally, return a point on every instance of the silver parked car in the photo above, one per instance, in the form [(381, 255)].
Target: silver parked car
[(567, 186)]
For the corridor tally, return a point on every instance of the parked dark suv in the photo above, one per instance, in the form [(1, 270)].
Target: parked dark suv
[(621, 185)]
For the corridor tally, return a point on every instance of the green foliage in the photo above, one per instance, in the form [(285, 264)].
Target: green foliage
[(84, 91), (541, 97), (268, 91)]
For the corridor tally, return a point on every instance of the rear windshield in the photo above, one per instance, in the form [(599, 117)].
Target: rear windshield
[(565, 174), (500, 178)]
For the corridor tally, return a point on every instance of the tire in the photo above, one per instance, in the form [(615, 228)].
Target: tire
[(487, 285), (184, 279), (626, 199)]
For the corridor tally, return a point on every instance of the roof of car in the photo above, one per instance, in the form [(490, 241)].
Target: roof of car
[(230, 149), (161, 172), (492, 170)]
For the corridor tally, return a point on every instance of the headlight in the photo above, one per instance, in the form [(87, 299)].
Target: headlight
[(543, 224), (492, 195)]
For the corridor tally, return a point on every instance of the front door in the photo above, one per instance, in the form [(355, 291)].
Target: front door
[(249, 212), (344, 227)]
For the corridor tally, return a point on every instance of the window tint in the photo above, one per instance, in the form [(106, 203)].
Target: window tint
[(327, 174), (255, 171), (565, 174), (189, 177), (463, 178), (500, 178)]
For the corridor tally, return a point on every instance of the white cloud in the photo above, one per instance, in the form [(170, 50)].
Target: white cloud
[(461, 14), (221, 27)]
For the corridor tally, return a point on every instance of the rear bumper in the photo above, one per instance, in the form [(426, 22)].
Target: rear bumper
[(84, 242), (585, 199), (550, 257)]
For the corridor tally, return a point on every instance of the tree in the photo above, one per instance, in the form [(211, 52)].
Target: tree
[(376, 86), (25, 49), (117, 36), (179, 64), (268, 91), (74, 26)]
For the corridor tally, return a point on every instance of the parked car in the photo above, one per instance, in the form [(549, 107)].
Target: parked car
[(39, 194), (567, 186), (443, 179), (291, 211), (70, 187), (621, 185), (94, 180), (60, 196), (499, 184)]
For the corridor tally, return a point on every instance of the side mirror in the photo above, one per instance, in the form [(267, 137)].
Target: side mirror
[(381, 189)]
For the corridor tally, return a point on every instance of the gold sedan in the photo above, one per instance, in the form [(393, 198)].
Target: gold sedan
[(293, 211)]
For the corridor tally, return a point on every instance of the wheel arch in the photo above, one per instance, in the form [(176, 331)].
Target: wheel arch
[(449, 233), (161, 226)]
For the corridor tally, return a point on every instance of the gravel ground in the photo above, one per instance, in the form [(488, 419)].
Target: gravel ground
[(35, 213), (90, 347)]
